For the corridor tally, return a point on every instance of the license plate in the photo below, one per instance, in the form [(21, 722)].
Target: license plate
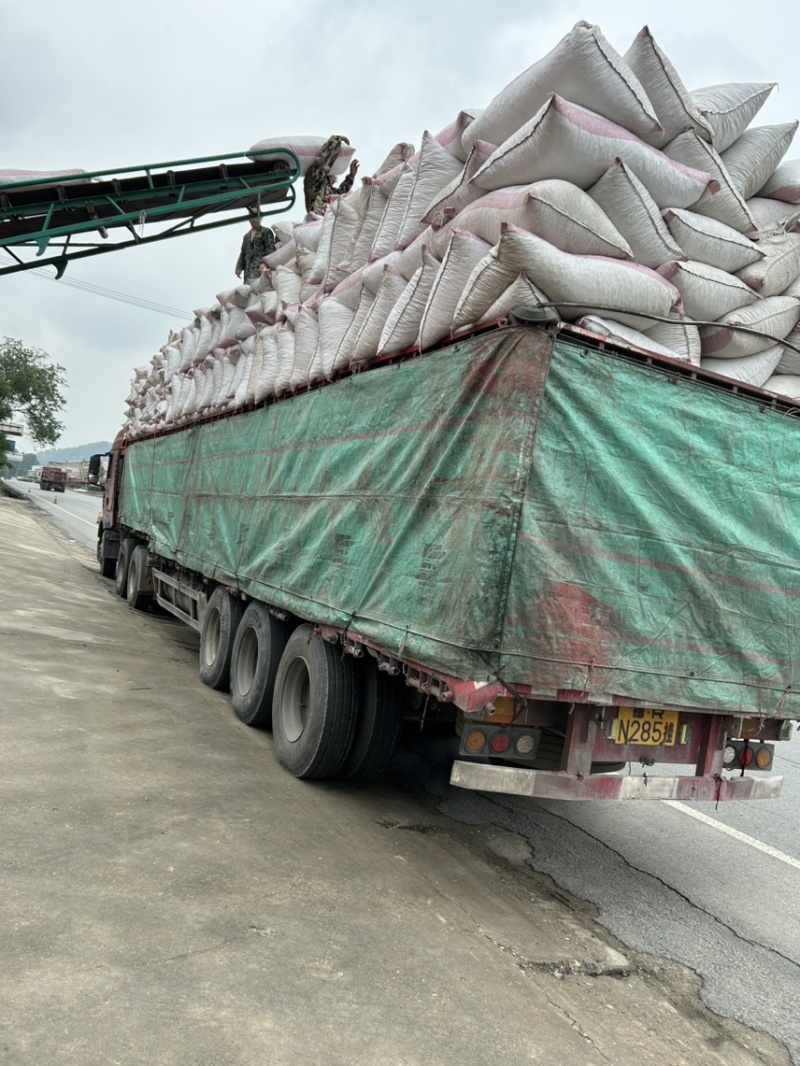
[(646, 728)]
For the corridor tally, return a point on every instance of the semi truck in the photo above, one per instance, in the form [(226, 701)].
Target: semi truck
[(580, 556), (53, 477)]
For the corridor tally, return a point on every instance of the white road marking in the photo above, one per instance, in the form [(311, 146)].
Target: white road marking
[(759, 845)]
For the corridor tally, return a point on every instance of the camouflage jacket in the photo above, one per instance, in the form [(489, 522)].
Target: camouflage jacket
[(318, 184), (255, 245)]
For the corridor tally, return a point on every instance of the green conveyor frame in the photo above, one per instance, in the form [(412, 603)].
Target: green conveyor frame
[(115, 205)]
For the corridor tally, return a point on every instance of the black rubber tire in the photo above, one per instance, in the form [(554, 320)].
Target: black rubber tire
[(314, 710), (138, 598), (220, 624), (257, 650), (381, 713), (121, 573), (108, 567)]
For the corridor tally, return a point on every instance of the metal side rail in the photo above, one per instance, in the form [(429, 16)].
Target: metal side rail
[(548, 784), (110, 209)]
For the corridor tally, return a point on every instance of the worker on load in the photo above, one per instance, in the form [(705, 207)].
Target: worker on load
[(260, 241), (318, 182)]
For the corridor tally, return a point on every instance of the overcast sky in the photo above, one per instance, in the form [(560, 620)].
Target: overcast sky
[(99, 86)]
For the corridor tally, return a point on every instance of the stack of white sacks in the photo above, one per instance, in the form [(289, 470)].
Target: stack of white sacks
[(594, 183)]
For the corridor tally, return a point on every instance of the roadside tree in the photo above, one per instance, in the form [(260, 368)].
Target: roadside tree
[(30, 387)]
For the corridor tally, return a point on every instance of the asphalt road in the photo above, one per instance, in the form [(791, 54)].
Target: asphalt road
[(713, 889), (74, 510)]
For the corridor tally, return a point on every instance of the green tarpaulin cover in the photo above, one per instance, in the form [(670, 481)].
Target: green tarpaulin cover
[(511, 506)]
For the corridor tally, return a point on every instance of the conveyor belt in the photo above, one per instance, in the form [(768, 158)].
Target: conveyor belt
[(111, 209)]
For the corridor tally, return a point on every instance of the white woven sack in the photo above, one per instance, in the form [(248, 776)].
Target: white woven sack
[(265, 386), (435, 169), (401, 328), (707, 240), (787, 385), (305, 148), (255, 371), (772, 216), (566, 141), (583, 68), (305, 345), (341, 260), (246, 329), (340, 226), (554, 210), (287, 285), (680, 335), (756, 154), (263, 283), (752, 369), (393, 215), (722, 200), (778, 269), (454, 138), (409, 260), (490, 279), (790, 360), (242, 378), (235, 317), (284, 335), (239, 386), (348, 292), (521, 293), (281, 256), (707, 293), (785, 183), (307, 234), (370, 221), (729, 109), (335, 319), (616, 331), (774, 318), (633, 211), (368, 339), (595, 284), (398, 155), (458, 193), (464, 251), (372, 274), (206, 400), (345, 349), (205, 333), (669, 97)]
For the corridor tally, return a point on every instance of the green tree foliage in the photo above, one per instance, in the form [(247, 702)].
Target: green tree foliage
[(30, 386)]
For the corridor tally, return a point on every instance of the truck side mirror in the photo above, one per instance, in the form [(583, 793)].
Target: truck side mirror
[(95, 466)]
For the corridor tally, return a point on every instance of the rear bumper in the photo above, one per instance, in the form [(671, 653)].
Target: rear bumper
[(545, 784)]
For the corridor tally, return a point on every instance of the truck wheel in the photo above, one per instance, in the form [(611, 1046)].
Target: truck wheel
[(220, 624), (121, 574), (314, 710), (107, 566), (257, 649), (380, 718), (139, 598)]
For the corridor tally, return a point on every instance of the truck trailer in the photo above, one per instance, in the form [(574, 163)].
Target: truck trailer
[(582, 556), (53, 477)]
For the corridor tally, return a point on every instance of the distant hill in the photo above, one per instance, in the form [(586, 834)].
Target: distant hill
[(71, 455)]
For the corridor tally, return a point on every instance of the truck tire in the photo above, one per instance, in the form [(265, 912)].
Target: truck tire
[(381, 712), (257, 650), (314, 709), (121, 573), (220, 625), (108, 566), (139, 597)]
